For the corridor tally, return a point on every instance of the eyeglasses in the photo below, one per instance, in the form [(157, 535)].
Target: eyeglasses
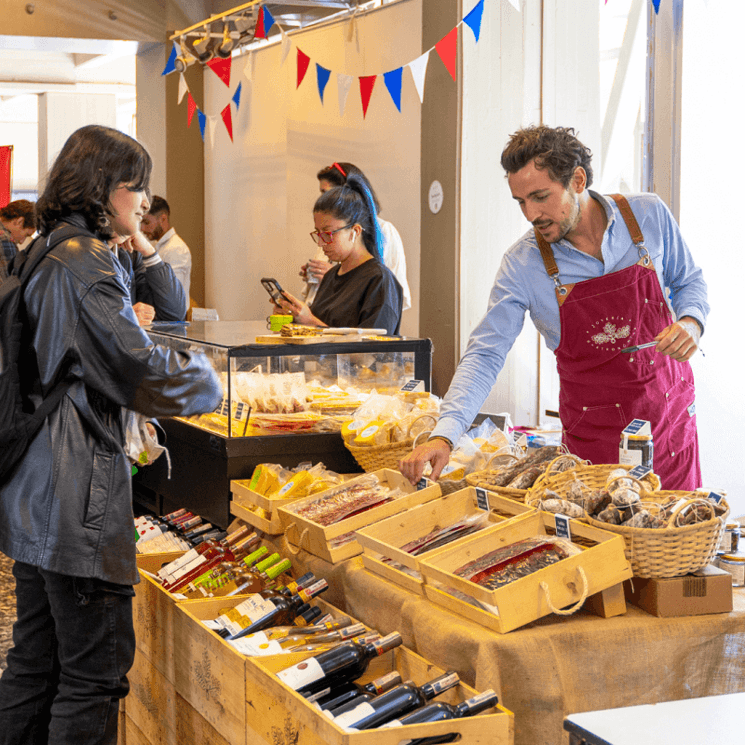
[(324, 237)]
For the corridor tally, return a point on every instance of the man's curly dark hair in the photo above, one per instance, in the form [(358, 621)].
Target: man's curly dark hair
[(556, 149)]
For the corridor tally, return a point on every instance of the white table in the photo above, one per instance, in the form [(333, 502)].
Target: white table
[(695, 721)]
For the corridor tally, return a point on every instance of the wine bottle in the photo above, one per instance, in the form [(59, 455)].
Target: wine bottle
[(255, 580), (276, 610), (252, 647), (439, 711), (281, 632), (395, 703), (350, 694), (343, 663)]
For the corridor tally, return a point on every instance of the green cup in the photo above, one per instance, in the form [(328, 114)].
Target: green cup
[(275, 322)]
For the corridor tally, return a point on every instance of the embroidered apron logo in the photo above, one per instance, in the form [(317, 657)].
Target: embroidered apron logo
[(610, 333)]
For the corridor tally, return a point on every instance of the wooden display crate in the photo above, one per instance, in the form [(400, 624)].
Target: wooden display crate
[(152, 614), (156, 713), (275, 711), (603, 563), (248, 512), (385, 538), (241, 492), (317, 539)]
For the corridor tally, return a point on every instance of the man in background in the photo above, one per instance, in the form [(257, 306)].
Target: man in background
[(156, 225), (17, 222)]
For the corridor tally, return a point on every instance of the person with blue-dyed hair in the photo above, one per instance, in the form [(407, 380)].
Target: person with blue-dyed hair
[(359, 291)]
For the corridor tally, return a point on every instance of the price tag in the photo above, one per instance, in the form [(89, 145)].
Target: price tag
[(562, 527), (412, 385), (223, 407), (423, 483), (501, 421), (482, 499), (714, 497), (638, 427), (639, 472)]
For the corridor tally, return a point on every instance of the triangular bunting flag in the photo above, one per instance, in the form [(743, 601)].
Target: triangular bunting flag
[(248, 68), (202, 119), (367, 83), (473, 19), (323, 75), (227, 117), (447, 48), (171, 64), (303, 60), (221, 68), (192, 107), (237, 96), (211, 126), (343, 84), (268, 20), (418, 71), (260, 33), (286, 45), (656, 4), (393, 84), (182, 87)]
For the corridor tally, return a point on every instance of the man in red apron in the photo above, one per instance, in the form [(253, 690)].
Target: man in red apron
[(591, 275)]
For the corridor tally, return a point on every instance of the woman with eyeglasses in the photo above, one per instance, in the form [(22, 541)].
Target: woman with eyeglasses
[(360, 291), (392, 254)]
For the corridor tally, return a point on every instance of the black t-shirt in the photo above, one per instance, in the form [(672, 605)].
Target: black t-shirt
[(368, 296)]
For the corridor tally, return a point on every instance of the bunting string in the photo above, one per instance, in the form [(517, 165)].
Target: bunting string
[(446, 49)]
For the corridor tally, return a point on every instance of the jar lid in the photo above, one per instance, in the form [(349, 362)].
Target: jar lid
[(733, 557)]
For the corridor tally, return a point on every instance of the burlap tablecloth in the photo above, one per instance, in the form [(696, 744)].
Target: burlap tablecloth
[(554, 666)]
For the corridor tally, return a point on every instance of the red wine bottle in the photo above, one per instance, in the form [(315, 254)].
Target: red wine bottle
[(439, 711), (348, 695), (335, 666), (395, 703)]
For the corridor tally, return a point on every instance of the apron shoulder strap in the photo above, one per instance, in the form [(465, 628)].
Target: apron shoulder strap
[(547, 254), (628, 217)]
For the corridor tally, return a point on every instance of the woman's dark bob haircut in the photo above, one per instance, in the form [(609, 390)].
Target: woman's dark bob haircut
[(554, 148), (93, 162)]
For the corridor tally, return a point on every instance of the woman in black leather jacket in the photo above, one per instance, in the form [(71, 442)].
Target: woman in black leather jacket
[(66, 508)]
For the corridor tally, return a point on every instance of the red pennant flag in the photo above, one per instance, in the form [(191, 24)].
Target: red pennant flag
[(221, 68), (366, 88), (303, 60), (228, 119), (447, 48), (192, 107), (260, 33)]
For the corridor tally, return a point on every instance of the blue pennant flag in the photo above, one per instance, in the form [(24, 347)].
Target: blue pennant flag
[(323, 77), (393, 84), (268, 21), (171, 64), (237, 96), (202, 122), (656, 4), (473, 19)]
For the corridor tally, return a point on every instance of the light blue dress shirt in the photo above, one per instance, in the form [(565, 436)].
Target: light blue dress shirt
[(522, 285)]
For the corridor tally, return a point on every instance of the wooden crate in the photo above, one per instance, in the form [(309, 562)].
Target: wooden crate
[(278, 714), (157, 714), (152, 613), (522, 601), (383, 540), (317, 539), (241, 492), (248, 512)]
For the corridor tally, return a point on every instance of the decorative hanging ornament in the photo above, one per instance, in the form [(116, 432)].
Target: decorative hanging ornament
[(221, 68), (303, 60), (447, 48), (367, 83)]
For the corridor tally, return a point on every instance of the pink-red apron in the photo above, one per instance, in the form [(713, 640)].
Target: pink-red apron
[(602, 390)]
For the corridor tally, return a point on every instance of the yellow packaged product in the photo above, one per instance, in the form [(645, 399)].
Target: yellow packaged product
[(297, 486), (351, 429), (375, 433)]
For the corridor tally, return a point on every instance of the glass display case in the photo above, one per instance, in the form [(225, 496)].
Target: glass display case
[(284, 402)]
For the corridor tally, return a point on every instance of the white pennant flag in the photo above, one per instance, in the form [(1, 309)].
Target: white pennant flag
[(344, 83), (248, 68), (515, 4), (211, 127), (286, 46), (182, 87), (418, 71)]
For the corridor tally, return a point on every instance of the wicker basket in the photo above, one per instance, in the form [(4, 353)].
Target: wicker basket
[(477, 479), (374, 457), (594, 477), (670, 551)]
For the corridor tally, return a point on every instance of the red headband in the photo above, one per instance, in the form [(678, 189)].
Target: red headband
[(340, 169)]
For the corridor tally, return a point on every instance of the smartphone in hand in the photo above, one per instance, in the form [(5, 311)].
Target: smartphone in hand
[(274, 288)]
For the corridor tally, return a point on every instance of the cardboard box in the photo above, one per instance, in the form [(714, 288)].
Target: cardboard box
[(709, 590)]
